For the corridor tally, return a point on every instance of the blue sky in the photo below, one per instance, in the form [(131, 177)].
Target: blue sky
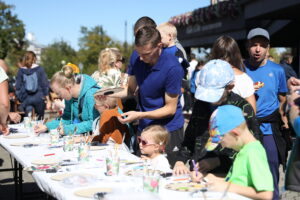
[(52, 20)]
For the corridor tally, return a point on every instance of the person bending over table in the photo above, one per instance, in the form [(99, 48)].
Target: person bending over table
[(158, 76), (78, 91)]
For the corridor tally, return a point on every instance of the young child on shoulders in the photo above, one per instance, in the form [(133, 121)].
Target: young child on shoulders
[(227, 126), (169, 41), (152, 143), (107, 128)]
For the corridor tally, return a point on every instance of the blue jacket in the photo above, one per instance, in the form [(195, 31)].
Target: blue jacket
[(70, 118), (43, 83)]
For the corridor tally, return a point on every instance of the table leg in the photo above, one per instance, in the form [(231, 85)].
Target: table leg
[(20, 181), (16, 179)]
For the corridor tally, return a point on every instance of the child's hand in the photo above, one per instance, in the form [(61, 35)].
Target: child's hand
[(196, 176), (215, 183), (180, 168), (40, 128)]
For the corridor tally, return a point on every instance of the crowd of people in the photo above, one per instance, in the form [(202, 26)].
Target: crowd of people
[(239, 124)]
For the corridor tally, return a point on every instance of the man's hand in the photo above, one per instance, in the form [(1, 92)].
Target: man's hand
[(4, 129), (293, 84), (129, 117), (15, 117), (180, 168)]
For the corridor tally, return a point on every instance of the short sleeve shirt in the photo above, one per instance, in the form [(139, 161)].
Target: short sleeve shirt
[(273, 77), (3, 75), (250, 168), (154, 82), (133, 58), (243, 85)]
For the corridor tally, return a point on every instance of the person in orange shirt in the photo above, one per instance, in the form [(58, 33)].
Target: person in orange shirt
[(107, 128)]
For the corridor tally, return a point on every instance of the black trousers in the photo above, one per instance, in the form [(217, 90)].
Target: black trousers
[(175, 140)]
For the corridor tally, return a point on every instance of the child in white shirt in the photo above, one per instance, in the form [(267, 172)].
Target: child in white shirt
[(152, 144)]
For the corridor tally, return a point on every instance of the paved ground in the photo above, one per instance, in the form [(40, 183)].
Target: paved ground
[(7, 184)]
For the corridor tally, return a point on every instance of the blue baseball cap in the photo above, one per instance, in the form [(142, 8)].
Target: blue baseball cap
[(223, 120), (214, 77)]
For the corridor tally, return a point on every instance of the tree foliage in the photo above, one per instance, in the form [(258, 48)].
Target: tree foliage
[(94, 40), (56, 55), (274, 53), (12, 32)]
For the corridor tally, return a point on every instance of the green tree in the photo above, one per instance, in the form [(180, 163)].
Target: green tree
[(93, 40), (56, 55), (274, 53), (12, 32)]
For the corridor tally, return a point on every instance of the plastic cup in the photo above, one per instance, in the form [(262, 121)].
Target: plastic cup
[(151, 183), (27, 123), (68, 143), (54, 136), (83, 152), (112, 166)]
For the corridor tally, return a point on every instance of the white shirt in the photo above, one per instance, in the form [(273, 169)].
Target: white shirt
[(243, 85), (192, 68), (161, 163), (3, 75)]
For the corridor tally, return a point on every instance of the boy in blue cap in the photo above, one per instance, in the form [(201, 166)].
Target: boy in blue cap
[(228, 127)]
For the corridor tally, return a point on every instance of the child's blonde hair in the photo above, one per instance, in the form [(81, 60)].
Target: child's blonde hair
[(111, 102), (168, 28), (158, 134), (108, 58), (64, 77)]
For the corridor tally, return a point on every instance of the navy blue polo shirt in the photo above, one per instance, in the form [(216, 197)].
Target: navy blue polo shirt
[(133, 58), (154, 81)]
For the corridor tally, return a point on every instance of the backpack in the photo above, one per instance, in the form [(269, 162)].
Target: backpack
[(30, 82)]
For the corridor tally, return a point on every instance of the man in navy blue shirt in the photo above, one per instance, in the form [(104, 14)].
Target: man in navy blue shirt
[(157, 75)]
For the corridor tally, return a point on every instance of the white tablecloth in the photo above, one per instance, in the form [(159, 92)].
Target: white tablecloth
[(124, 187)]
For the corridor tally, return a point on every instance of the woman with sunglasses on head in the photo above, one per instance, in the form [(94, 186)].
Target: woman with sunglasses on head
[(152, 145), (78, 92)]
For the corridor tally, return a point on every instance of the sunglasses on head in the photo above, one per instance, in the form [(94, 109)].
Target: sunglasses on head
[(123, 60), (143, 142)]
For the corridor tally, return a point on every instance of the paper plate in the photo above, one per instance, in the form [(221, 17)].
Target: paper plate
[(184, 187), (60, 177), (108, 91), (15, 136), (24, 143), (45, 161), (96, 148), (89, 192)]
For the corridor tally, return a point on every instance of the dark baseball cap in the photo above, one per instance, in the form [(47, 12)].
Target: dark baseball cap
[(258, 32)]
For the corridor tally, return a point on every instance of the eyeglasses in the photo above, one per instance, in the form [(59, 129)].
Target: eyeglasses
[(144, 142)]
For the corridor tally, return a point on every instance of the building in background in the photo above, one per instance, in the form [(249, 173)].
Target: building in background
[(34, 46)]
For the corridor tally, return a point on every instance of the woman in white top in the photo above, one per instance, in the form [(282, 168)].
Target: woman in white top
[(226, 48)]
